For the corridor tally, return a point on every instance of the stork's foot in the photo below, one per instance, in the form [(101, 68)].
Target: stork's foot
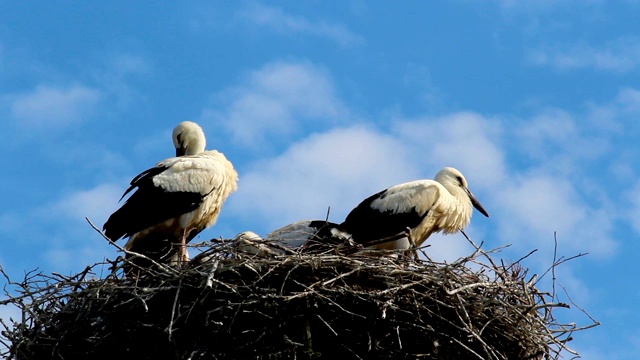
[(413, 248)]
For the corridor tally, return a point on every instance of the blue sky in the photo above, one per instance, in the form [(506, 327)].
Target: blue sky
[(320, 104)]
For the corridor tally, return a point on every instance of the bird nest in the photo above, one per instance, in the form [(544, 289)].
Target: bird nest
[(228, 304)]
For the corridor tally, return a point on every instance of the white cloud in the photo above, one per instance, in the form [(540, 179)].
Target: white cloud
[(96, 204), (278, 100), (10, 222), (466, 141), (339, 168), (628, 101), (78, 256), (448, 248), (532, 208), (2, 58), (550, 126), (8, 313), (529, 204), (114, 77), (616, 117), (62, 227), (554, 138), (49, 106), (621, 56), (542, 204), (156, 144), (533, 7), (278, 20), (125, 63), (335, 169), (633, 197)]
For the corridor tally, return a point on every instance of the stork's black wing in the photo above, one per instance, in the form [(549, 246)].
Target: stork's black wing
[(150, 204)]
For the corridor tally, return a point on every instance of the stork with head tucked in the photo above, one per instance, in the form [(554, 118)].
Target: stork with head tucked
[(421, 207), (300, 232), (304, 236), (175, 200), (188, 139), (311, 236)]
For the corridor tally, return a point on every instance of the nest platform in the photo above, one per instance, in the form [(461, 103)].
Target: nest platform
[(228, 304)]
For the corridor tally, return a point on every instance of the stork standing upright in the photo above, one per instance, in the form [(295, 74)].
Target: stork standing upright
[(176, 199), (423, 207)]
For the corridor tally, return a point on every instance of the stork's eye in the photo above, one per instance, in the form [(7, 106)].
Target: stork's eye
[(459, 179)]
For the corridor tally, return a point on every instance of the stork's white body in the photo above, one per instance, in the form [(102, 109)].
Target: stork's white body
[(300, 232), (423, 207), (176, 199), (209, 175), (303, 235)]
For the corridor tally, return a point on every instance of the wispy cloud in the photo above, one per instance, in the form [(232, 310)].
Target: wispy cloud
[(532, 176), (2, 58), (57, 99), (334, 169), (556, 138), (64, 237), (278, 20), (9, 313), (340, 167), (464, 140), (116, 74), (540, 5), (279, 99), (50, 106), (534, 207), (530, 201), (628, 101), (633, 198), (620, 56), (96, 203)]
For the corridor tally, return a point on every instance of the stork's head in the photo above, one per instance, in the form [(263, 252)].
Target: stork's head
[(188, 138), (453, 180)]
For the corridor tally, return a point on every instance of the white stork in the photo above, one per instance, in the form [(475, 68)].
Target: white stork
[(422, 206), (176, 199), (308, 236), (300, 232), (253, 244)]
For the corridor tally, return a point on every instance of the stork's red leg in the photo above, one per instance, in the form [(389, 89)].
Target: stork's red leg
[(412, 245), (183, 247)]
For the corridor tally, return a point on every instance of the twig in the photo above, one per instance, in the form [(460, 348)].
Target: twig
[(132, 253)]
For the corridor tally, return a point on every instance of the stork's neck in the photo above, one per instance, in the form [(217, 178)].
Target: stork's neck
[(458, 193), (460, 209), (195, 148)]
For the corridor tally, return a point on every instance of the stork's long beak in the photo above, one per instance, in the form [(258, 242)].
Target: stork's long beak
[(180, 151), (476, 203)]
